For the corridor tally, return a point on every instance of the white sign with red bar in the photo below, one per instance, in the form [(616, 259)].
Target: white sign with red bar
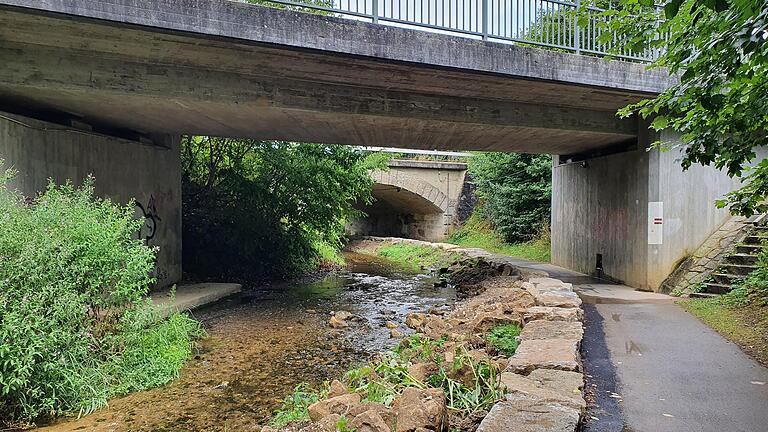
[(655, 222)]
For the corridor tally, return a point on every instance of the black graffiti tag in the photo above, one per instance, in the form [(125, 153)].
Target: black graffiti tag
[(151, 219)]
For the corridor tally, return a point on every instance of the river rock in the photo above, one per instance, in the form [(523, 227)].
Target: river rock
[(553, 314), (544, 329), (395, 334), (325, 424), (386, 413), (529, 415), (549, 283), (560, 354), (415, 320), (335, 405), (483, 322), (390, 325), (369, 421), (422, 371), (337, 323), (337, 388), (549, 385), (421, 409)]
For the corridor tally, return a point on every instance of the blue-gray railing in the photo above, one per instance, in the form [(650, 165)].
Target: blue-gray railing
[(553, 24)]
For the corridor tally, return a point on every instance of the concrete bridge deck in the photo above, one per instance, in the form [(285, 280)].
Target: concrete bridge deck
[(225, 68)]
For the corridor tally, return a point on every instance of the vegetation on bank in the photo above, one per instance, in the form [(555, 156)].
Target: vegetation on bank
[(75, 326), (268, 209), (416, 257), (471, 385), (742, 314), (477, 232)]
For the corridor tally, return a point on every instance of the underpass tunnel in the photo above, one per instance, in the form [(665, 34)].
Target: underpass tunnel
[(397, 212)]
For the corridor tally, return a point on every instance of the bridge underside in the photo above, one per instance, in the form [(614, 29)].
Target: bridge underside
[(237, 70)]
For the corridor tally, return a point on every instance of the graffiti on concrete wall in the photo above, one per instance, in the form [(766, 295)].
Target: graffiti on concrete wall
[(151, 219)]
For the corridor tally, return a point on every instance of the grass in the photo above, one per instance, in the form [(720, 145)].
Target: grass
[(327, 254), (747, 326), (478, 233), (415, 257), (503, 338), (294, 407)]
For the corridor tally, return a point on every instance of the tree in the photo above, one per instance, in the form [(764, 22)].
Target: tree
[(515, 190), (260, 209), (719, 49)]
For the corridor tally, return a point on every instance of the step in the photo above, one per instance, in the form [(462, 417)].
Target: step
[(749, 248), (741, 258), (738, 269), (716, 288), (703, 295), (725, 278), (755, 239)]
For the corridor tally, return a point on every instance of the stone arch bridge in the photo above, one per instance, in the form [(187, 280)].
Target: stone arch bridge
[(415, 199)]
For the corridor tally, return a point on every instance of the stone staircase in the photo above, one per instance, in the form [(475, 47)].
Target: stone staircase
[(740, 262)]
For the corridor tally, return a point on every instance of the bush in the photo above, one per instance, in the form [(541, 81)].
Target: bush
[(72, 279), (504, 338), (515, 190)]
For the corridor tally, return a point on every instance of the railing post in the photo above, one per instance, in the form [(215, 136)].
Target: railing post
[(485, 19), (375, 12), (576, 29)]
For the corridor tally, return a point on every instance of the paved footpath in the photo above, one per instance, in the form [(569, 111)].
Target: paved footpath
[(654, 367)]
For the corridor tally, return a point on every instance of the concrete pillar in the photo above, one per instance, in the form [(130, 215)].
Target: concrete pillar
[(124, 170)]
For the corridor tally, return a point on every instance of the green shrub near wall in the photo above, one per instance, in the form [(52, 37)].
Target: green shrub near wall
[(75, 328)]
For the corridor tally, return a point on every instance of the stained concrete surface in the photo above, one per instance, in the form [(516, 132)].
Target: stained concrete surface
[(193, 296)]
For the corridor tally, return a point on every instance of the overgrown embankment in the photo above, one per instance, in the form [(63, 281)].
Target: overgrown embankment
[(477, 232), (75, 326), (507, 356)]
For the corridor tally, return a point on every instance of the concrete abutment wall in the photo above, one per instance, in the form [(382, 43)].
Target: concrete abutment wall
[(638, 210), (123, 170)]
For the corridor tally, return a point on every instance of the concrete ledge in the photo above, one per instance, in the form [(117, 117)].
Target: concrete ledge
[(189, 297)]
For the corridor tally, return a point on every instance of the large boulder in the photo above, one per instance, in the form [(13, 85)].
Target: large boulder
[(386, 413), (529, 414), (421, 409), (549, 385), (544, 329), (562, 354), (415, 320), (422, 371), (336, 405), (337, 388), (553, 314), (369, 421)]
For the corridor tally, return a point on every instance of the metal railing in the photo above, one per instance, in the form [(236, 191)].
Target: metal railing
[(552, 24)]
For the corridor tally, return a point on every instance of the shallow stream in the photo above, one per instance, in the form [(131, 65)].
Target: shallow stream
[(266, 341)]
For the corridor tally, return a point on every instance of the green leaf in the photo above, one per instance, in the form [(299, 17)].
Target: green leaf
[(660, 123), (672, 8)]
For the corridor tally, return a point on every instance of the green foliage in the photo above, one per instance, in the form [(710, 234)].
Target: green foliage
[(320, 3), (265, 209), (753, 289), (414, 256), (515, 190), (477, 232), (294, 407), (342, 425), (503, 338), (74, 330), (719, 48)]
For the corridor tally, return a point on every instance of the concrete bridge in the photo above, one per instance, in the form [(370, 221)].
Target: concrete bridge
[(414, 199), (107, 86)]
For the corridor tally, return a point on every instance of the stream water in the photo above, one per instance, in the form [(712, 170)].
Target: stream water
[(267, 340)]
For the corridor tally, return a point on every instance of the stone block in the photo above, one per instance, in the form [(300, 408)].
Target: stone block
[(562, 354), (545, 329)]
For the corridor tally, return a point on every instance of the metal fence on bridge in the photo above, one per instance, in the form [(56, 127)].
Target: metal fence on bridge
[(555, 24)]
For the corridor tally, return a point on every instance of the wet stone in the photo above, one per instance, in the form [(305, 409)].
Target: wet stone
[(549, 385)]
